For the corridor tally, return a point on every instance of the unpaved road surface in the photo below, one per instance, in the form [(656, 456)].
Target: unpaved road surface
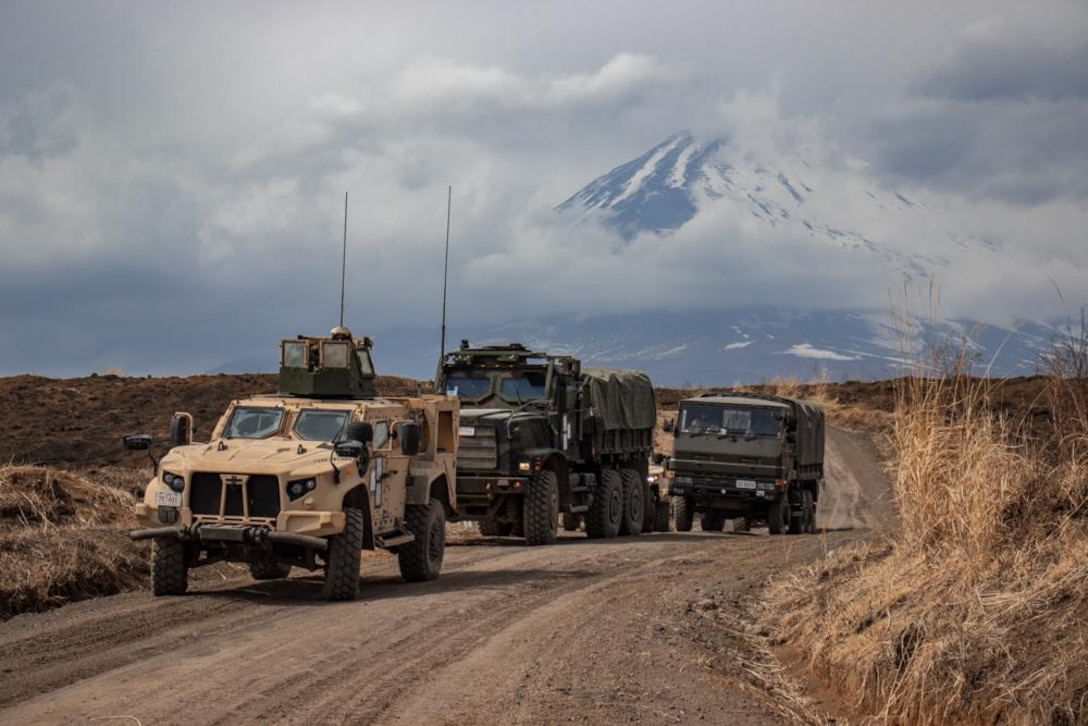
[(600, 632)]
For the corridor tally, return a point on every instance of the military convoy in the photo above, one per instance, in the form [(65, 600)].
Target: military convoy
[(541, 436), (311, 475), (306, 477), (747, 457)]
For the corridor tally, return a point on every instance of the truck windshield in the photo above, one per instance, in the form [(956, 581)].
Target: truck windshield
[(314, 425), (702, 418), (522, 386), (468, 386), (251, 422)]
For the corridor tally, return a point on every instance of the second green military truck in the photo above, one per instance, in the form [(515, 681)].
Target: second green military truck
[(748, 457), (541, 436)]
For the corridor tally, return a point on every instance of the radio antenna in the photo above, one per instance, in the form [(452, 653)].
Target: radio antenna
[(344, 260), (445, 277)]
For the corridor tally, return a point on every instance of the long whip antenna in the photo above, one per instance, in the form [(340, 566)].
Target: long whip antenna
[(344, 260), (445, 277)]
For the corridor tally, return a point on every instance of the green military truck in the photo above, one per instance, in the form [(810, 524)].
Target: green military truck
[(540, 435), (749, 457), (306, 477)]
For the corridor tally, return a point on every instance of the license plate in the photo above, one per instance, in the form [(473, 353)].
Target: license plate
[(466, 430), (167, 499), (745, 484)]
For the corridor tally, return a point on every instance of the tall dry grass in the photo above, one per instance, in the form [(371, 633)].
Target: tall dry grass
[(974, 611)]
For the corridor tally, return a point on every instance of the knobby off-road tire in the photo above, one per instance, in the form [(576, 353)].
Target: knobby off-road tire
[(795, 515), (342, 558), (648, 509), (683, 514), (808, 510), (741, 524), (541, 515), (603, 518), (169, 566), (266, 568), (778, 515), (634, 502), (661, 515), (491, 528), (571, 522), (421, 559)]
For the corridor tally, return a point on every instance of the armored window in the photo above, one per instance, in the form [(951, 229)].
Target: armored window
[(315, 425), (468, 386), (366, 365), (335, 355), (251, 422), (381, 434), (523, 386), (293, 353)]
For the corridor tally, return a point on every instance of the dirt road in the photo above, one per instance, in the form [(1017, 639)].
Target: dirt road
[(601, 632)]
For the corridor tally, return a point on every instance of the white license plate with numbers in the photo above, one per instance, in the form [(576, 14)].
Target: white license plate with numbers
[(745, 484), (466, 431), (168, 499)]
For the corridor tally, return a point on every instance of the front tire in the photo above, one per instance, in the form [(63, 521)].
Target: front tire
[(683, 514), (808, 510), (541, 514), (342, 558), (169, 566), (634, 502), (779, 514), (266, 568), (606, 511), (661, 515), (421, 559)]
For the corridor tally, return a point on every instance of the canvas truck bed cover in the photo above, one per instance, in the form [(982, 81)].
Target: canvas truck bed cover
[(621, 399)]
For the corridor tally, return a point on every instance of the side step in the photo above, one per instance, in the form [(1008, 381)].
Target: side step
[(392, 540)]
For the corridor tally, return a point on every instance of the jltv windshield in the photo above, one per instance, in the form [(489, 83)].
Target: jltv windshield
[(709, 419)]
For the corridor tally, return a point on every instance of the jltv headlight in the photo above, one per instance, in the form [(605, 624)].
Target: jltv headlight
[(174, 481), (300, 488)]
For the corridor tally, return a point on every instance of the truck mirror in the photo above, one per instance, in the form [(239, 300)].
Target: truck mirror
[(137, 442), (360, 431), (349, 448), (667, 425), (409, 434), (181, 429)]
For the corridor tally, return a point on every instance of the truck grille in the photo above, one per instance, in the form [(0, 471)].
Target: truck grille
[(260, 494), (478, 452)]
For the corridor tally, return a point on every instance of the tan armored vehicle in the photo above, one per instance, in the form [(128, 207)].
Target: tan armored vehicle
[(306, 477)]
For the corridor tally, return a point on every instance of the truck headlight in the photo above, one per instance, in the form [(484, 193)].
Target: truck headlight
[(300, 487), (174, 481)]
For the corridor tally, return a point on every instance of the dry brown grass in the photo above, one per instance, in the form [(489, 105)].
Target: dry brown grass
[(974, 612), (64, 538)]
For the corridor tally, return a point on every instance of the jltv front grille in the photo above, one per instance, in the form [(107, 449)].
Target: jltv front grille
[(478, 452), (259, 494)]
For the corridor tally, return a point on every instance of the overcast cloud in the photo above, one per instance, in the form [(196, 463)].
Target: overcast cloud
[(172, 175)]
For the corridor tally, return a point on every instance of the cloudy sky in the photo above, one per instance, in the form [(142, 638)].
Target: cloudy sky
[(172, 175)]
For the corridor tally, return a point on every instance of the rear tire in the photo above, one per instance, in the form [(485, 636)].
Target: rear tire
[(683, 514), (541, 515), (741, 524), (342, 558), (633, 502), (661, 515), (169, 566), (266, 568), (808, 511), (491, 528), (606, 511), (778, 514), (421, 559)]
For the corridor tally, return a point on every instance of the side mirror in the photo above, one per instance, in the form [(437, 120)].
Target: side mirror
[(667, 425), (181, 429), (137, 442), (409, 434), (359, 431), (349, 448)]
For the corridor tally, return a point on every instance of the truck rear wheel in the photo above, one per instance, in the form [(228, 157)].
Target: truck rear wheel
[(661, 515), (265, 568), (634, 502), (683, 513), (741, 524), (342, 558), (491, 528), (808, 511), (421, 559), (541, 515), (169, 566), (778, 514), (606, 511)]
